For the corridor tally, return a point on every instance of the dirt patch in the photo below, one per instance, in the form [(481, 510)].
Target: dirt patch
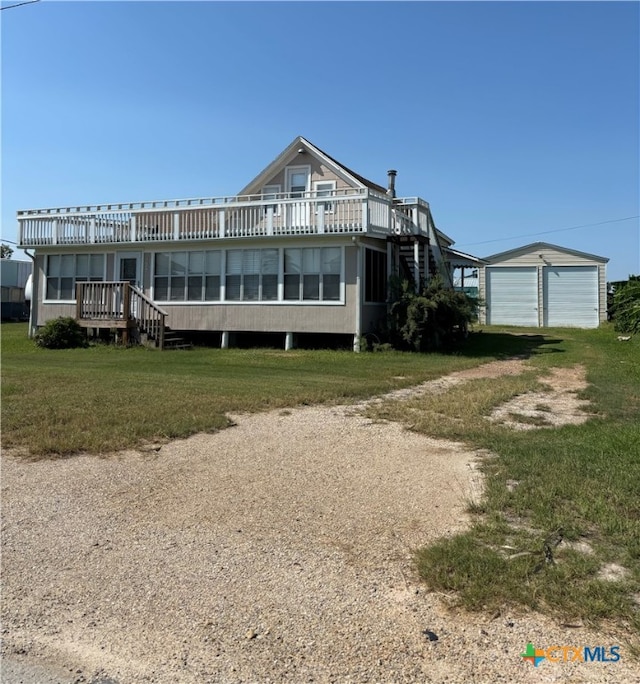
[(493, 369), (279, 550), (613, 572), (559, 405)]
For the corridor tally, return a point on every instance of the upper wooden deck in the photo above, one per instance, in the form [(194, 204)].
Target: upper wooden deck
[(346, 211)]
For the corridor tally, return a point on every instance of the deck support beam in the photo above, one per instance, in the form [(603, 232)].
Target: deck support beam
[(224, 340), (288, 341)]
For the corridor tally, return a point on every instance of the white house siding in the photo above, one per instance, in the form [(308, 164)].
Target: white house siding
[(47, 312), (262, 318), (578, 287)]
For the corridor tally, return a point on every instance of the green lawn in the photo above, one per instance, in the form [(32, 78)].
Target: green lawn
[(579, 483), (60, 402)]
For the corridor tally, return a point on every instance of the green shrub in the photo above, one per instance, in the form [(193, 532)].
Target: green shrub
[(61, 333), (626, 306), (434, 317)]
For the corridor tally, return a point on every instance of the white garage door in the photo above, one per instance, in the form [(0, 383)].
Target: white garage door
[(512, 295), (571, 296)]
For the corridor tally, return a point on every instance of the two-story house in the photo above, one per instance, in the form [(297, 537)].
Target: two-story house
[(307, 247)]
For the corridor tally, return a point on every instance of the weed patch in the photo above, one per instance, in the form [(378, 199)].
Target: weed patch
[(583, 480)]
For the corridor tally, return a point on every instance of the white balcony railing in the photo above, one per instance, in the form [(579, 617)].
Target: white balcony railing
[(346, 211)]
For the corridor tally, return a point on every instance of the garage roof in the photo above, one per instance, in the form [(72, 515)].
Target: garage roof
[(534, 246)]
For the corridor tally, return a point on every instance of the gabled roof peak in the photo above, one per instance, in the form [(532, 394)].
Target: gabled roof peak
[(305, 145)]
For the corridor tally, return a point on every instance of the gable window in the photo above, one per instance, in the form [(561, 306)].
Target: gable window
[(298, 183), (312, 273), (251, 275), (187, 276), (297, 180), (325, 189), (375, 276), (65, 270)]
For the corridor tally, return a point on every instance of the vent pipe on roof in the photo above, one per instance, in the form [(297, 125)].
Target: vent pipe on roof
[(392, 173)]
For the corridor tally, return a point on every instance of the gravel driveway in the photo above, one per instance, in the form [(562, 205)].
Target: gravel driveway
[(278, 550)]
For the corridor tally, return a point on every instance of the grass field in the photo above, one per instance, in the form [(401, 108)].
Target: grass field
[(580, 484), (61, 402)]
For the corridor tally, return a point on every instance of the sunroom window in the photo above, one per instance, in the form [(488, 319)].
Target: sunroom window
[(187, 276), (312, 273), (252, 275), (65, 270)]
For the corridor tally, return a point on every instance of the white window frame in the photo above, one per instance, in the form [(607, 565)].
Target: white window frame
[(204, 275), (328, 206), (260, 275), (321, 278), (274, 189), (75, 255), (290, 170), (223, 301)]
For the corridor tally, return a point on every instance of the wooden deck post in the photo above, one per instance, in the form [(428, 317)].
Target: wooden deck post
[(126, 301), (78, 301)]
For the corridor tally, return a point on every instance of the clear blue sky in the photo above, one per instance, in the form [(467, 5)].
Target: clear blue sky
[(510, 118)]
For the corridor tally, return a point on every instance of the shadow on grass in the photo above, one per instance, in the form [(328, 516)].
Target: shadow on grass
[(504, 345)]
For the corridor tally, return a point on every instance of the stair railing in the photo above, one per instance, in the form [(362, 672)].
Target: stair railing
[(434, 244), (102, 303), (148, 316)]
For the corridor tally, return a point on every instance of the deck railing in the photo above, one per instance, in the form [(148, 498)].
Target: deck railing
[(344, 211), (102, 301), (119, 304)]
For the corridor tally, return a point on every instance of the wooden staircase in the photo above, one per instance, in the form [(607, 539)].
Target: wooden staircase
[(124, 307), (419, 253), (406, 252), (173, 340)]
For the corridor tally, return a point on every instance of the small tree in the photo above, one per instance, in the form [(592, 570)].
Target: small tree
[(5, 251), (434, 317), (61, 333)]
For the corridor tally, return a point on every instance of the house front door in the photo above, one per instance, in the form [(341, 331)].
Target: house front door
[(129, 268), (297, 185)]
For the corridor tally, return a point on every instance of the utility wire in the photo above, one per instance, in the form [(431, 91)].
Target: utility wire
[(548, 232), (28, 2)]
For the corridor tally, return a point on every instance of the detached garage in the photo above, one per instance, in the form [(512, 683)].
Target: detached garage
[(544, 285)]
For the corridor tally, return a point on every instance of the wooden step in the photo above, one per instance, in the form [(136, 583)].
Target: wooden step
[(173, 340)]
